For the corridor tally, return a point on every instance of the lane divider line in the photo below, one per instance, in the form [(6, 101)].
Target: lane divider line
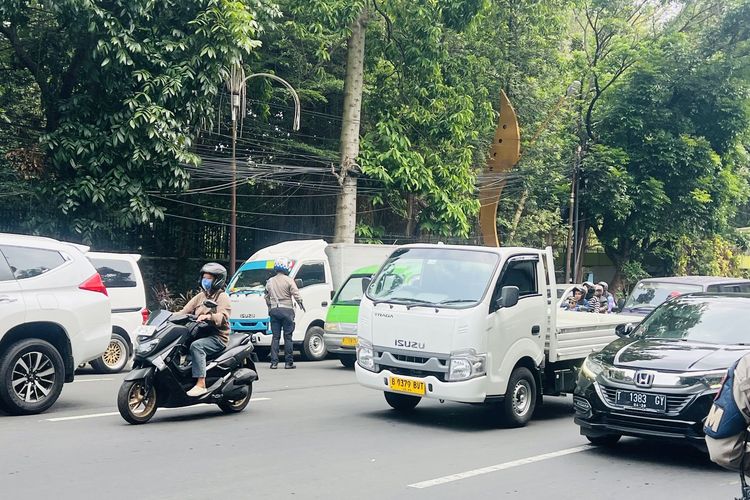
[(494, 468), (80, 380), (113, 413)]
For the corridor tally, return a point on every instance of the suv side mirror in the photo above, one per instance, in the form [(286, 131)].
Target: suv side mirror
[(365, 283), (508, 297), (299, 283), (210, 304), (624, 330)]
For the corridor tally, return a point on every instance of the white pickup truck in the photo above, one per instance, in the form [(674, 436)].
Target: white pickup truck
[(473, 325)]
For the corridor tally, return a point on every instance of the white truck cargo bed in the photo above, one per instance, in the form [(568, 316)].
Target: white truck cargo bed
[(581, 333)]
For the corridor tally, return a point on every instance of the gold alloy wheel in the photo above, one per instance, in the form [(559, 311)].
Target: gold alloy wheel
[(112, 357), (140, 403)]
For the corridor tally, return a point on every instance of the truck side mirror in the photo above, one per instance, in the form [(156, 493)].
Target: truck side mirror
[(333, 294), (624, 330), (365, 283), (298, 282), (620, 305), (508, 297)]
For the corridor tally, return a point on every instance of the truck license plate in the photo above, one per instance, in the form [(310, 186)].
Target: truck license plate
[(349, 341), (641, 400), (407, 385)]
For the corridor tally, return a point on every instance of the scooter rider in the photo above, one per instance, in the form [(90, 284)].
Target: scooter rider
[(280, 290), (213, 280)]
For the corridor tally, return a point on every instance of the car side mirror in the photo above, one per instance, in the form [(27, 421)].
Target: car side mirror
[(365, 283), (508, 297), (624, 330), (298, 282), (211, 304)]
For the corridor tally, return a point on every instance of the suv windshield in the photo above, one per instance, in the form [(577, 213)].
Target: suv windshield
[(648, 295), (436, 276), (351, 293), (714, 321)]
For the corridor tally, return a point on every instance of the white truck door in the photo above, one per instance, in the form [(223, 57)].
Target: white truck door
[(315, 288), (527, 319)]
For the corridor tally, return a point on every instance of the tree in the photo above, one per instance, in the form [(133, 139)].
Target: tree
[(123, 88)]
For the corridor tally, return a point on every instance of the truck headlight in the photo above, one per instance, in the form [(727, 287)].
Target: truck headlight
[(464, 365), (146, 347), (591, 368), (365, 355)]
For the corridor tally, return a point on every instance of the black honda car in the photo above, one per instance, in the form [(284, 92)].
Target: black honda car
[(659, 379)]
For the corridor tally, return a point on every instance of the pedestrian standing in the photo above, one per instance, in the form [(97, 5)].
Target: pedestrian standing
[(281, 294)]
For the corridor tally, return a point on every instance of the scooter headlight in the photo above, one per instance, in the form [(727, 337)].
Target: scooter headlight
[(144, 348)]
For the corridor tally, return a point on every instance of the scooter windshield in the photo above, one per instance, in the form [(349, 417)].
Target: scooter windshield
[(158, 318)]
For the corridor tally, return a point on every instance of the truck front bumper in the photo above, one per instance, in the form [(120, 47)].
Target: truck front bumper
[(467, 391)]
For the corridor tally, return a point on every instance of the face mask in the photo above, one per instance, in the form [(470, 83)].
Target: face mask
[(206, 283)]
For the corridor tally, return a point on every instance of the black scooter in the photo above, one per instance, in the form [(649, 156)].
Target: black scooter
[(161, 374)]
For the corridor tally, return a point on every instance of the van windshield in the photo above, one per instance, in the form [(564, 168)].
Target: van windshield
[(440, 277), (252, 276), (647, 295)]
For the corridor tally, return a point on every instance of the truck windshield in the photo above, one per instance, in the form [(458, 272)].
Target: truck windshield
[(250, 279), (440, 277), (647, 295), (351, 293)]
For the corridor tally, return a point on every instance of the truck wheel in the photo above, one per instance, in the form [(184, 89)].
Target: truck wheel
[(606, 440), (520, 399), (31, 377), (114, 358), (402, 402), (348, 361), (314, 347)]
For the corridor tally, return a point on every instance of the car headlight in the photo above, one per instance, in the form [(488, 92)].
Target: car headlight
[(146, 347), (591, 368), (712, 379), (365, 355), (467, 364)]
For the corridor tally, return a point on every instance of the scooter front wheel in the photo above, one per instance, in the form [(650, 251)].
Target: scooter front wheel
[(237, 405), (135, 405)]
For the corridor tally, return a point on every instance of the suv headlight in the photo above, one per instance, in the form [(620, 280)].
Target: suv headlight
[(146, 347), (591, 368), (467, 364), (365, 355), (712, 379)]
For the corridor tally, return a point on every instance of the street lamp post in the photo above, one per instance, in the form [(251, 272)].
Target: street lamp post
[(237, 86)]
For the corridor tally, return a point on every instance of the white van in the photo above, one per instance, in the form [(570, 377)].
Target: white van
[(318, 268), (122, 277)]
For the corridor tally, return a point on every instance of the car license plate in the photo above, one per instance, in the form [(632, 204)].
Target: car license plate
[(407, 385), (349, 341), (641, 400)]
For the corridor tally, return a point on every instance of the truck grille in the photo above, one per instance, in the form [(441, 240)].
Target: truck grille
[(406, 363), (675, 402)]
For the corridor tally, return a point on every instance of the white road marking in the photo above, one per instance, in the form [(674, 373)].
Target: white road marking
[(113, 413), (77, 381), (494, 468)]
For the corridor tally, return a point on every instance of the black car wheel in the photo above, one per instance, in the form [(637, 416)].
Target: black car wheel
[(31, 377)]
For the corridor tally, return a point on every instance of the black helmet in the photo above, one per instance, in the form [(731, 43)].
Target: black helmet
[(219, 273)]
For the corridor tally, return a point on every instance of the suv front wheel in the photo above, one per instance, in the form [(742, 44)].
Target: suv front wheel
[(31, 377)]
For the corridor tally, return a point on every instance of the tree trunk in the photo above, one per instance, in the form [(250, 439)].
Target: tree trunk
[(346, 202), (518, 214)]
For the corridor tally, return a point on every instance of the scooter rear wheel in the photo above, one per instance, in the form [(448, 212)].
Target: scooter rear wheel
[(237, 405), (135, 405)]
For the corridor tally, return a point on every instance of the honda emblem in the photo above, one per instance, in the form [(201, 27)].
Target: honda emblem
[(644, 379)]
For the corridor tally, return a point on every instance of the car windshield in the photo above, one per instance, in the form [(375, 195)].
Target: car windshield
[(248, 279), (441, 277), (351, 293), (713, 320), (649, 294)]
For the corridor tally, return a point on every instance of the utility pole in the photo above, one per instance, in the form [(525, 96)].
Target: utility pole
[(237, 86), (571, 215)]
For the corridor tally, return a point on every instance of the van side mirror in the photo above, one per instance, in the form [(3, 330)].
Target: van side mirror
[(211, 304), (624, 330), (365, 283), (333, 294), (508, 297), (298, 282)]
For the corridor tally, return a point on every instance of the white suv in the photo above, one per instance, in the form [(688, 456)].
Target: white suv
[(122, 277), (54, 315)]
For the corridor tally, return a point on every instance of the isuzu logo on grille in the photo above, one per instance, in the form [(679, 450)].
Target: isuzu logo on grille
[(644, 378), (411, 344)]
